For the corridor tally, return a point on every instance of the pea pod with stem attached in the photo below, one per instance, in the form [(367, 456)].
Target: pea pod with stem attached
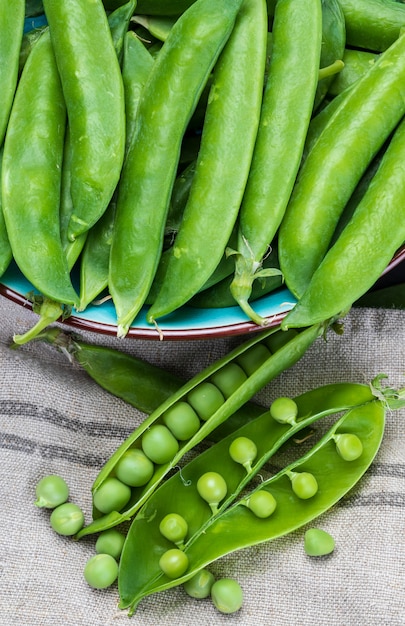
[(176, 81), (11, 34), (31, 176), (364, 247), (285, 114), (367, 115), (240, 524), (93, 91), (6, 254), (223, 162), (214, 398)]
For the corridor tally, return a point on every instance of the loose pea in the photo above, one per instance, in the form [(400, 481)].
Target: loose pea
[(251, 360), (173, 563), (206, 398), (181, 420), (229, 378), (199, 586), (67, 519), (262, 503), (284, 410), (212, 488), (349, 446), (243, 450), (304, 484), (174, 527), (100, 571), (318, 542), (159, 444), (112, 495), (227, 595), (51, 491), (134, 468), (111, 542)]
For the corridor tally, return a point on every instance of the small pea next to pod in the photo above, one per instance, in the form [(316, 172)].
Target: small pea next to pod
[(199, 586), (67, 519), (101, 571), (110, 541), (227, 595), (318, 542), (113, 495), (51, 491)]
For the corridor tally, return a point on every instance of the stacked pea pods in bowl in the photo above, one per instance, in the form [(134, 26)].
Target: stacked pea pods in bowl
[(204, 169)]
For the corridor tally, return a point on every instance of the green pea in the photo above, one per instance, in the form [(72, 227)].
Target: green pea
[(159, 444), (111, 542), (67, 519), (112, 495), (318, 542), (262, 503), (206, 398), (243, 450), (173, 563), (134, 468), (101, 571), (253, 358), (229, 378), (181, 420), (199, 586), (304, 484), (51, 491), (349, 446), (174, 527), (212, 488), (284, 410), (227, 595)]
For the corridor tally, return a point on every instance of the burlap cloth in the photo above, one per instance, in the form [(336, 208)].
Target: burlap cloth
[(54, 419)]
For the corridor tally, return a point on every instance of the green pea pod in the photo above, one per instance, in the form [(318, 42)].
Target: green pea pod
[(234, 525), (134, 380), (94, 260), (158, 26), (31, 176), (365, 246), (223, 162), (5, 249), (176, 81), (372, 24), (136, 67), (356, 131), (256, 367), (28, 42), (11, 35), (286, 111), (332, 48), (154, 7), (356, 64), (118, 22), (93, 91)]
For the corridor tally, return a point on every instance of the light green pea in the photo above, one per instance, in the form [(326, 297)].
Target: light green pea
[(182, 421), (51, 491), (110, 541), (304, 484), (227, 595), (199, 586), (349, 446), (67, 519), (159, 444), (262, 503), (229, 378), (205, 399), (173, 563), (318, 542), (212, 488), (174, 527), (112, 495), (101, 571), (243, 450), (284, 410), (134, 468)]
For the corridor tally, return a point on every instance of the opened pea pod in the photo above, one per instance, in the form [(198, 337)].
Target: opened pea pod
[(274, 507), (204, 403)]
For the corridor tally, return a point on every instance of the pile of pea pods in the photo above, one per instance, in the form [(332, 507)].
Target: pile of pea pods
[(202, 152), (161, 517)]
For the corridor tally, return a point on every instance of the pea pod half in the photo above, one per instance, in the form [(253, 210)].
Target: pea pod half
[(213, 396), (234, 526)]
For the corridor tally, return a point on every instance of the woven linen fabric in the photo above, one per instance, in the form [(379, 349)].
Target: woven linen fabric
[(55, 419)]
